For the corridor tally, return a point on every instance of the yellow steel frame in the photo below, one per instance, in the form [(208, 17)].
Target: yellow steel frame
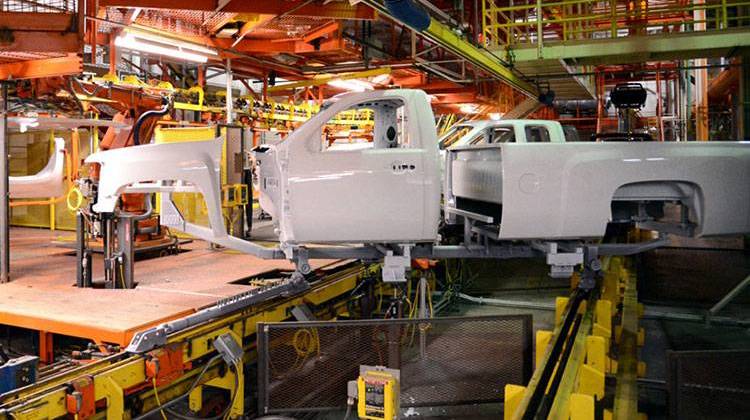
[(505, 26), (122, 375)]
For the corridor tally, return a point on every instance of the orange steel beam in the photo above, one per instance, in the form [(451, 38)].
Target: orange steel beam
[(456, 98), (250, 25), (42, 41), (30, 21), (335, 10), (113, 53), (287, 46), (46, 67), (321, 31)]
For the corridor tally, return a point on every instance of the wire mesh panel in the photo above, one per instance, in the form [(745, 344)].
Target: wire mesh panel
[(707, 384), (39, 6), (305, 366)]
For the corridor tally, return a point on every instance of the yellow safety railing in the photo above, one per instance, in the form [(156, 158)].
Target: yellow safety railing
[(528, 22)]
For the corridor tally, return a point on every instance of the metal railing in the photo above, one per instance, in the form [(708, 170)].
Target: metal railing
[(523, 23)]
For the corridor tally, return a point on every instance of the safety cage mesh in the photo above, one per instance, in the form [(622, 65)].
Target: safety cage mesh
[(705, 384), (305, 366)]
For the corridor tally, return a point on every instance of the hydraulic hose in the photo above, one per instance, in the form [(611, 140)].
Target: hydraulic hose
[(148, 115)]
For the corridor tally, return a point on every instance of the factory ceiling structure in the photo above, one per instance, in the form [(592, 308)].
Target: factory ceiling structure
[(374, 209)]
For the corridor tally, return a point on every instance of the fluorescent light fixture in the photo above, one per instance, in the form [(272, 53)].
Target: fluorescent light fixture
[(495, 116), (468, 108), (352, 85), (155, 44)]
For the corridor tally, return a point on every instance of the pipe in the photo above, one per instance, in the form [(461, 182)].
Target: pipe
[(409, 13), (147, 115), (729, 297), (4, 192), (508, 303)]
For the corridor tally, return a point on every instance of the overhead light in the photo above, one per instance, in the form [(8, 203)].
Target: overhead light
[(191, 46), (352, 85), (495, 116), (226, 32), (468, 108), (154, 44)]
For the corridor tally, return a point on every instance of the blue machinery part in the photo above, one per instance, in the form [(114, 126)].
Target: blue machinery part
[(18, 372)]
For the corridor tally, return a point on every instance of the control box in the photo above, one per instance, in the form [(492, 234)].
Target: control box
[(378, 393)]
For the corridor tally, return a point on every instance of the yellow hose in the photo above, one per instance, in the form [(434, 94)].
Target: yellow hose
[(74, 191)]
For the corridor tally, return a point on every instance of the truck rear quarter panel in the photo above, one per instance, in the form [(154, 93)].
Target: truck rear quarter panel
[(566, 190)]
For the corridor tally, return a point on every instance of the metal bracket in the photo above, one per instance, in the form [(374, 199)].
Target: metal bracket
[(301, 261), (395, 266), (561, 264)]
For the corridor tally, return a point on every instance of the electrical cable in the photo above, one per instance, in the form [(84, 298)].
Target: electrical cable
[(156, 395), (185, 395), (225, 413)]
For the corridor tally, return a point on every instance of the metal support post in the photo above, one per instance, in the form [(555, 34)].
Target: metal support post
[(109, 259), (83, 254), (4, 193), (744, 99), (125, 251), (423, 315), (393, 340), (539, 29), (229, 99)]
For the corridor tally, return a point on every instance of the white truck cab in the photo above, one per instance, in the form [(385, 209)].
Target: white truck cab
[(480, 132), (319, 190)]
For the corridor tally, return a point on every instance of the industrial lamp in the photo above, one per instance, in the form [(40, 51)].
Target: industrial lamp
[(155, 44)]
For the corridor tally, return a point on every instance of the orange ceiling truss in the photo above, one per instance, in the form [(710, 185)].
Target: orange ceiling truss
[(293, 38), (334, 10)]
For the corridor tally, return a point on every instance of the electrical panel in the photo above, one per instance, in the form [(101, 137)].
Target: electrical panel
[(378, 393)]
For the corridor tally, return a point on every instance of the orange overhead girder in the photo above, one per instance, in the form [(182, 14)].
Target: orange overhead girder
[(321, 31), (45, 67), (33, 21), (280, 46), (42, 41), (335, 10), (39, 32)]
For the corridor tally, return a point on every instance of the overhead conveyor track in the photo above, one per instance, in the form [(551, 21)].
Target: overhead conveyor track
[(446, 37)]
